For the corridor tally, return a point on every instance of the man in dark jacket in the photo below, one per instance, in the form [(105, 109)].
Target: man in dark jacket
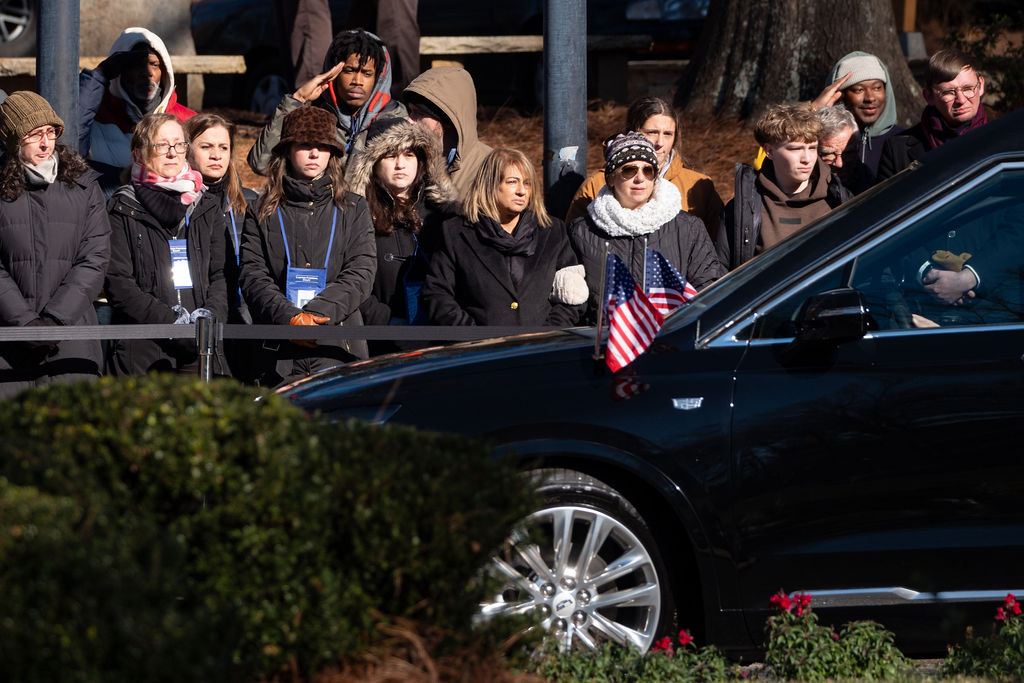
[(793, 188), (354, 88), (953, 91)]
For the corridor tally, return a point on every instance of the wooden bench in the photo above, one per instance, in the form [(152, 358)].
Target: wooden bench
[(188, 70), (609, 63)]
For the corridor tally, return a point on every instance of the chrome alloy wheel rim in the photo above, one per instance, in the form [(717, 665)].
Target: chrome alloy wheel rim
[(592, 581)]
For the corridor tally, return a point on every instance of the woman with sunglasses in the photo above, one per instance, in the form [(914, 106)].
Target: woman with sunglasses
[(167, 251), (507, 262), (54, 246), (637, 210)]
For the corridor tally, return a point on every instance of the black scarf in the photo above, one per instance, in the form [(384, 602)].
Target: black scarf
[(518, 246), (164, 206)]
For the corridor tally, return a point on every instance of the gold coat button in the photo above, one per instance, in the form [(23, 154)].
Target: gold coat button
[(514, 305)]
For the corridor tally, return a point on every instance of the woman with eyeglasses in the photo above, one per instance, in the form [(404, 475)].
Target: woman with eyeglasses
[(167, 251), (54, 246), (507, 262), (637, 210)]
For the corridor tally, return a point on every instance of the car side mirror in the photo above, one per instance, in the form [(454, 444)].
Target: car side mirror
[(824, 321), (836, 315)]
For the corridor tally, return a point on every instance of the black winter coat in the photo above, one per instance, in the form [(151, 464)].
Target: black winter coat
[(469, 281), (901, 150), (307, 212), (683, 241), (54, 248), (139, 285), (737, 236)]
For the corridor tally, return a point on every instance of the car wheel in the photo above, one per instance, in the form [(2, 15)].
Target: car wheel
[(587, 565), (18, 27)]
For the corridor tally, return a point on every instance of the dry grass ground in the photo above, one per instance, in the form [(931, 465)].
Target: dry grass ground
[(710, 146)]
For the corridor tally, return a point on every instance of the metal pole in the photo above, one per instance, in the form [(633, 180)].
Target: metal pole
[(565, 101), (57, 62), (205, 343)]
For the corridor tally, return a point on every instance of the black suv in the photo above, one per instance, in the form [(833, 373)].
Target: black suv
[(810, 422)]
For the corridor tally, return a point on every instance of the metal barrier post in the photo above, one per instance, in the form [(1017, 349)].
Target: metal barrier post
[(57, 62), (565, 101), (205, 342)]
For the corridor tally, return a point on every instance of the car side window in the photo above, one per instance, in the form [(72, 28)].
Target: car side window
[(959, 264)]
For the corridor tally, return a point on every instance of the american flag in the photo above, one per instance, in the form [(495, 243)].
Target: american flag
[(666, 288), (633, 322)]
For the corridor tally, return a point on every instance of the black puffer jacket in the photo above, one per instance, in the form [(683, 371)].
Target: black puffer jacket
[(307, 213), (139, 285), (54, 248), (741, 223)]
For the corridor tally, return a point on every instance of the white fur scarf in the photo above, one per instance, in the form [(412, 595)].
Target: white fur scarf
[(618, 221)]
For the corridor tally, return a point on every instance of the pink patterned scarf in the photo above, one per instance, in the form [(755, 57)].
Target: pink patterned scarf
[(188, 183)]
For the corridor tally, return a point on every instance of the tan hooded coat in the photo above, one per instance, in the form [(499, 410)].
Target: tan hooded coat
[(452, 91)]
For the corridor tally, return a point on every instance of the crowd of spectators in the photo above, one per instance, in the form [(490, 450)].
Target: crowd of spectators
[(389, 211)]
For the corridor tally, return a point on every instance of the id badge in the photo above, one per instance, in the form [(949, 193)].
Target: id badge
[(304, 284), (180, 273)]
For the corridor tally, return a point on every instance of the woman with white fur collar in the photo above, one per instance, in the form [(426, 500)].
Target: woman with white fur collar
[(637, 210)]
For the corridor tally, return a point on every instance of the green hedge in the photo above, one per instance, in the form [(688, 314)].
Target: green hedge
[(188, 529)]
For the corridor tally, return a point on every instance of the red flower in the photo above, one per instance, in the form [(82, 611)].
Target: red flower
[(835, 636), (685, 638), (1000, 614), (781, 600), (1016, 608), (803, 599), (1009, 599), (663, 644), (799, 611)]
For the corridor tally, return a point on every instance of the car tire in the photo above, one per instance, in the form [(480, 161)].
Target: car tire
[(606, 581), (18, 20)]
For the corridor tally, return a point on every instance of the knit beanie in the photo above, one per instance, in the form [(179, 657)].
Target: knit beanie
[(861, 68), (312, 126), (631, 146), (21, 113)]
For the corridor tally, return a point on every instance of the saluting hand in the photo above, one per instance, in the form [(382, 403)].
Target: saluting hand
[(315, 87), (831, 94)]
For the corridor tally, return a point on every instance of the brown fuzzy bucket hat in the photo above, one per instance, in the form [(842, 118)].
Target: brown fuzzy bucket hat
[(309, 125), (21, 113)]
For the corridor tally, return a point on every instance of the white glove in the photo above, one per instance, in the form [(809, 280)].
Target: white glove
[(570, 286)]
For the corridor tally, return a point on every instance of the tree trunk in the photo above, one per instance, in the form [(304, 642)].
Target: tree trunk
[(754, 53)]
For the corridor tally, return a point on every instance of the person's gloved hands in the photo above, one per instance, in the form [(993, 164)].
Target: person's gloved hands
[(112, 66), (307, 319), (184, 318), (29, 353), (200, 313)]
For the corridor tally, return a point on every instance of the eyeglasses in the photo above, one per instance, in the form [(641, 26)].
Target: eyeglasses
[(968, 91), (163, 147), (627, 172), (50, 134)]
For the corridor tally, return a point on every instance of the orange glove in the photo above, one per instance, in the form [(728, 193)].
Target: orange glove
[(307, 319)]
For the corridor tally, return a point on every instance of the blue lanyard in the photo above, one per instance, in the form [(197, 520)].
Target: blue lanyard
[(234, 236), (288, 253)]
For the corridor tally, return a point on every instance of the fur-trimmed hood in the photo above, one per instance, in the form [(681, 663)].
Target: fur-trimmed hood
[(437, 186)]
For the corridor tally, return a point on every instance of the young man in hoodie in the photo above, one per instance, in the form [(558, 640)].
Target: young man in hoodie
[(793, 188), (355, 88), (443, 99), (953, 90), (135, 80), (861, 81)]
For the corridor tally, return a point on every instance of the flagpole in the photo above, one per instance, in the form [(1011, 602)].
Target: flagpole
[(600, 308), (644, 280)]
